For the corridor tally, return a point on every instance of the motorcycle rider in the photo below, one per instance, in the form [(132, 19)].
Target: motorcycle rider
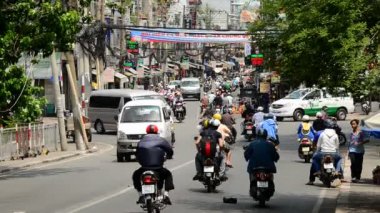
[(204, 102), (305, 129), (209, 131), (260, 153), (319, 123), (258, 117), (247, 115), (270, 125), (328, 143), (225, 131), (218, 100), (229, 121), (178, 98), (150, 154)]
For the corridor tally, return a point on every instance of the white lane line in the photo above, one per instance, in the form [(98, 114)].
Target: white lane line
[(125, 190), (319, 202), (110, 147)]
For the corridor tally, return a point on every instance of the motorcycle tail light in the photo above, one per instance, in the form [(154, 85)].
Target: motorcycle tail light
[(305, 141), (149, 180), (263, 176), (208, 162), (328, 159)]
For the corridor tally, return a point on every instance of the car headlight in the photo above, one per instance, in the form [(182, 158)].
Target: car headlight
[(121, 135)]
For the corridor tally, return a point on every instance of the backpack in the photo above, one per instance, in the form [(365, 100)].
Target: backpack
[(208, 145), (305, 129)]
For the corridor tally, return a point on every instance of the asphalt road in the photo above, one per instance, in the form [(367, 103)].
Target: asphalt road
[(98, 184)]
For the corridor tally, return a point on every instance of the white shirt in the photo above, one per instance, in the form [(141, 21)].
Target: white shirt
[(328, 141)]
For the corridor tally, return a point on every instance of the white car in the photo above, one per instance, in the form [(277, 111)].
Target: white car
[(133, 120), (173, 84), (309, 101)]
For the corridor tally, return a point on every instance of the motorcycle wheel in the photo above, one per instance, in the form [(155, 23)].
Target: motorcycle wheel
[(342, 139), (149, 206), (262, 202), (158, 210), (307, 159)]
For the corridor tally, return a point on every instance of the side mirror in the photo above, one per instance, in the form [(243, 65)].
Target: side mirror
[(116, 117)]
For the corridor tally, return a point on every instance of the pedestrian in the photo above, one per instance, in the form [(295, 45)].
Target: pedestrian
[(356, 150)]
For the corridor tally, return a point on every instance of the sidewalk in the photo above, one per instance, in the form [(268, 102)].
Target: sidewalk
[(16, 165), (362, 197)]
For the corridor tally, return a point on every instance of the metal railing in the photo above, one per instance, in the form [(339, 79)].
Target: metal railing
[(27, 140)]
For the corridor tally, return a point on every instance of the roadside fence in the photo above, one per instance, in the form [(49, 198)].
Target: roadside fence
[(28, 140)]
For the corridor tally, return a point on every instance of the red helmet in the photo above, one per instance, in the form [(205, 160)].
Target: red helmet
[(152, 129)]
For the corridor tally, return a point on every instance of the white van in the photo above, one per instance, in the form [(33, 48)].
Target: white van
[(104, 105), (309, 101), (133, 120)]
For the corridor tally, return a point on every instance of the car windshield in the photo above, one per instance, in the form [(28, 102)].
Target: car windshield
[(296, 94), (141, 114), (190, 83), (174, 83)]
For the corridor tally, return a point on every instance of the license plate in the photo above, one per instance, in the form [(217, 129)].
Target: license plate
[(208, 169), (305, 149), (328, 165), (262, 184), (147, 189), (249, 132)]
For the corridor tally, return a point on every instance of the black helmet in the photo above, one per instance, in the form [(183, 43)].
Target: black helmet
[(262, 133), (329, 124)]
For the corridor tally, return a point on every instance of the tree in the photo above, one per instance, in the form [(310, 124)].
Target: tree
[(32, 27), (317, 42)]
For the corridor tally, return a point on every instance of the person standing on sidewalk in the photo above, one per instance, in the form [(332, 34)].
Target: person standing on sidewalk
[(356, 150)]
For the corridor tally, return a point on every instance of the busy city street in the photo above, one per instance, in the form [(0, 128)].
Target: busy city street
[(100, 184)]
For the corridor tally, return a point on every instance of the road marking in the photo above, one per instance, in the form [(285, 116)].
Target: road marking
[(319, 202), (110, 147), (125, 190)]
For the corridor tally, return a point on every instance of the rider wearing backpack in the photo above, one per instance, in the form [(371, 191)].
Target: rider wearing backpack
[(305, 129), (207, 146)]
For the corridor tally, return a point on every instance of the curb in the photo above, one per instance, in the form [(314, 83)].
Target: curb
[(27, 165)]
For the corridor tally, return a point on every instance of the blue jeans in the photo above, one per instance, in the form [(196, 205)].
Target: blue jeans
[(316, 163)]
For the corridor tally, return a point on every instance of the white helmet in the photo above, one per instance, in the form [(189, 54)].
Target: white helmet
[(260, 109), (306, 118), (215, 122), (319, 115)]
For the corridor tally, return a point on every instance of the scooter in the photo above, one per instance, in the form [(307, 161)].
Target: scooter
[(305, 149), (249, 129), (328, 171), (262, 185), (152, 195)]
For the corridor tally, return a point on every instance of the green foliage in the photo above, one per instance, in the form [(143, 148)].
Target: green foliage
[(318, 42), (32, 27)]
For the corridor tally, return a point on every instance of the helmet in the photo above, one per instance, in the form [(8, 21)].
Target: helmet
[(260, 109), (152, 129), (217, 116), (329, 124), (306, 118), (262, 133), (206, 122), (268, 116), (319, 115), (215, 123)]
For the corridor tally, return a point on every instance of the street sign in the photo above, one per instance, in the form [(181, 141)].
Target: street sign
[(133, 47)]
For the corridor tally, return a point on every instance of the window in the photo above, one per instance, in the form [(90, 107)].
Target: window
[(126, 100), (313, 95), (166, 114), (104, 102), (141, 114)]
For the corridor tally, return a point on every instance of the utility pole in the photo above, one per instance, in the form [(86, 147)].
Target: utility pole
[(58, 103), (79, 128), (99, 60)]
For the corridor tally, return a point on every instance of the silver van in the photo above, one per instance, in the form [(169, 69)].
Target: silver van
[(191, 88), (105, 106)]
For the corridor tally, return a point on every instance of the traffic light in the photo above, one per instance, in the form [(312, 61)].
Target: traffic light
[(257, 59)]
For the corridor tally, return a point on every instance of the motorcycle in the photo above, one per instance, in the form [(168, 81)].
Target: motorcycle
[(366, 107), (207, 87), (210, 178), (328, 172), (341, 135), (249, 131), (179, 111), (305, 149), (262, 185), (152, 195)]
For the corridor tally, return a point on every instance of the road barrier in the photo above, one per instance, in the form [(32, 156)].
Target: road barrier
[(27, 140)]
